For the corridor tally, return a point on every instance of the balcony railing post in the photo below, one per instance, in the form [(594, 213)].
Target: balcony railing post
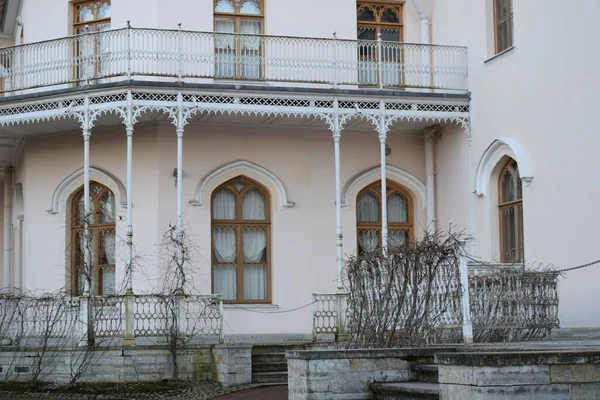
[(341, 307), (179, 52), (128, 50), (335, 59), (221, 333), (379, 61), (84, 319), (467, 325), (129, 339)]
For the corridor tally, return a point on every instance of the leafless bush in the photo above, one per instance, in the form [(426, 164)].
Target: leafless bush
[(401, 297)]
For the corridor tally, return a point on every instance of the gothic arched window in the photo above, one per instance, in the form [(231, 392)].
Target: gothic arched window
[(510, 203), (101, 271), (368, 216), (241, 241)]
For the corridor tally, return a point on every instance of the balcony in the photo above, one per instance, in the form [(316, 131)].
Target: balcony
[(199, 57)]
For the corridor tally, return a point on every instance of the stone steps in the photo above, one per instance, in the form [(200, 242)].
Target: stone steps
[(426, 372), (269, 364), (406, 391)]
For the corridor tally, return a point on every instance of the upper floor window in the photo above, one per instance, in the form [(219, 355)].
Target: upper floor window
[(376, 20), (399, 217), (238, 50), (503, 25), (101, 273), (241, 241), (91, 16), (510, 203)]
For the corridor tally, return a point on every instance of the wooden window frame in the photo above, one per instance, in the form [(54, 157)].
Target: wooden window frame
[(76, 25), (509, 27), (240, 224), (237, 16), (392, 226), (95, 230), (515, 205), (377, 25)]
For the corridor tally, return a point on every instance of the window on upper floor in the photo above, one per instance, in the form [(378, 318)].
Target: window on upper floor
[(376, 20), (241, 241), (503, 25), (100, 272), (368, 216), (510, 204), (91, 18), (238, 45)]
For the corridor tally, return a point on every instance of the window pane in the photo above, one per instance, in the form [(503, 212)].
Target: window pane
[(507, 186), (366, 33), (85, 14), (368, 208), (224, 244), (397, 238), (107, 247), (107, 277), (250, 7), (365, 14), (390, 15), (508, 234), (397, 208), (224, 205), (390, 35), (225, 283), (107, 208), (81, 212), (368, 240), (225, 6), (104, 11), (239, 186), (521, 244), (255, 244), (254, 206), (255, 282)]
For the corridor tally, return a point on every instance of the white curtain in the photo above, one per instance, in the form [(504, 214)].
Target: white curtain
[(225, 46), (254, 206), (225, 247), (224, 205), (109, 247), (396, 208), (368, 208), (250, 49), (396, 238), (255, 245), (368, 240), (225, 280), (108, 280)]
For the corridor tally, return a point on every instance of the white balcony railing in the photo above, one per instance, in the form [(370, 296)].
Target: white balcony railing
[(185, 55)]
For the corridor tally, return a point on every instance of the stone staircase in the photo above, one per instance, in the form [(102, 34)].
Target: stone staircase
[(269, 365), (425, 387)]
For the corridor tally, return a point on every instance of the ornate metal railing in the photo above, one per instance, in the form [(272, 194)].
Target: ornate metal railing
[(506, 303), (189, 316), (196, 56)]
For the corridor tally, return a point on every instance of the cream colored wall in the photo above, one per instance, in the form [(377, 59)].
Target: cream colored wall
[(312, 18), (303, 237), (543, 93)]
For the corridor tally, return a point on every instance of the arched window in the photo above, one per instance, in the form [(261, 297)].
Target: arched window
[(102, 244), (241, 237), (368, 216), (510, 202), (238, 56)]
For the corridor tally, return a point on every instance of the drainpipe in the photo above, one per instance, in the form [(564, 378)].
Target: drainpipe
[(7, 226), (425, 40)]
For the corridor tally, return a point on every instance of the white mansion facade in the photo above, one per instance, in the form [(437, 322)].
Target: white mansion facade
[(264, 129)]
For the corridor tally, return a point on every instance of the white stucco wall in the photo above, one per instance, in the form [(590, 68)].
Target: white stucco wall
[(543, 94), (303, 237)]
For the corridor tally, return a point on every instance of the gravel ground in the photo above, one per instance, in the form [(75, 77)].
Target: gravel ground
[(196, 391)]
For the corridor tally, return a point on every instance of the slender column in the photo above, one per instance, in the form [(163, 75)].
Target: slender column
[(6, 275), (87, 255), (338, 197), (467, 324), (180, 130), (129, 250), (471, 204), (430, 180), (382, 140)]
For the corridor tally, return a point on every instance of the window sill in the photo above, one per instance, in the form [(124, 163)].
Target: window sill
[(498, 55), (245, 306)]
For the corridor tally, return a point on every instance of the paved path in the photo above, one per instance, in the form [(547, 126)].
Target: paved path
[(268, 393)]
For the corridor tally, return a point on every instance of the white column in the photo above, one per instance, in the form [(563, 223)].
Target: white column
[(382, 140), (430, 180), (467, 324), (87, 255), (180, 130), (338, 197), (6, 266), (471, 204), (129, 250)]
